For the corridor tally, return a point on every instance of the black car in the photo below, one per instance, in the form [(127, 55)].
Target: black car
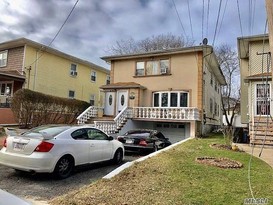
[(143, 140)]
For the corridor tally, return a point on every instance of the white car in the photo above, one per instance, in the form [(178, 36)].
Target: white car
[(59, 148)]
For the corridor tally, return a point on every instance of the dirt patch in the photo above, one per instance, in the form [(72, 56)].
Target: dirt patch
[(225, 163), (226, 147)]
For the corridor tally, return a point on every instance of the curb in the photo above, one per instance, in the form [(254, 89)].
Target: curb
[(129, 164)]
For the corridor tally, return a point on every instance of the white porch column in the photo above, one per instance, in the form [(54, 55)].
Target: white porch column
[(192, 129)]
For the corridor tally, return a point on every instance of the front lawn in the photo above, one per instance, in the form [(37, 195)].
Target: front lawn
[(174, 177)]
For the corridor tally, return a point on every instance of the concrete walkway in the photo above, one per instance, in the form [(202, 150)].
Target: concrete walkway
[(266, 154)]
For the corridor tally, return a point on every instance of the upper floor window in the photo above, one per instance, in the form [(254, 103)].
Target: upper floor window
[(3, 58), (73, 69), (262, 99), (92, 100), (107, 79), (93, 76), (71, 94), (170, 99), (152, 67)]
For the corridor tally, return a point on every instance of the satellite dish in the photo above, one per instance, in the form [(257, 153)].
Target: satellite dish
[(205, 41)]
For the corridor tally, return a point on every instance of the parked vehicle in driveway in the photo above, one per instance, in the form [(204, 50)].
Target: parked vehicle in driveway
[(143, 140), (59, 148)]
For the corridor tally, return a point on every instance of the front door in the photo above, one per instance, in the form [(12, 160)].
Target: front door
[(122, 100), (109, 103)]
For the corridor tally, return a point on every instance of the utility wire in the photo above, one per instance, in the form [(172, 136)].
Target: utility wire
[(190, 18), (208, 8), (240, 22), (222, 17), (180, 21), (217, 22), (56, 35)]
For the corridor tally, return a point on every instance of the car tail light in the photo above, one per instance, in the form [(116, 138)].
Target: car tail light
[(44, 147), (5, 142), (143, 143)]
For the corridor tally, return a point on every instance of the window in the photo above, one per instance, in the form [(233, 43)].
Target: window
[(263, 99), (73, 70), (3, 58), (140, 68), (215, 108), (94, 134), (170, 99), (152, 67), (211, 105), (93, 76), (6, 87), (215, 85), (71, 94), (211, 79), (92, 100), (107, 79)]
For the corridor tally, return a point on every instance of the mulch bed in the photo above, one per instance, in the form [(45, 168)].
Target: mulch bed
[(225, 163)]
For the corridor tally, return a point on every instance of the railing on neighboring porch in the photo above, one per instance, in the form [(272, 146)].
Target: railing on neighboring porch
[(91, 111), (183, 113)]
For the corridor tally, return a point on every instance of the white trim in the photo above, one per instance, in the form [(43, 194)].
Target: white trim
[(255, 98), (169, 98)]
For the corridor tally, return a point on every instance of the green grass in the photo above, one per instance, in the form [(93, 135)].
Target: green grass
[(174, 177)]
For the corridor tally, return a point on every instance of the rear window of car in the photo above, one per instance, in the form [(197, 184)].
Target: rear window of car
[(138, 134), (46, 130)]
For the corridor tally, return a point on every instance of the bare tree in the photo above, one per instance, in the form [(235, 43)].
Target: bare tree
[(154, 43), (228, 60)]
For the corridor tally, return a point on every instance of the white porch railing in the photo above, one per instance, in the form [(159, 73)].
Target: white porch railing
[(91, 111), (183, 113), (118, 122)]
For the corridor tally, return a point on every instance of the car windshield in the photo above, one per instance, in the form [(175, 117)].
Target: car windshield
[(46, 130)]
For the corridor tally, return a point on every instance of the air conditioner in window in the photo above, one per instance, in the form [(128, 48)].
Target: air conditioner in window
[(73, 73), (164, 70)]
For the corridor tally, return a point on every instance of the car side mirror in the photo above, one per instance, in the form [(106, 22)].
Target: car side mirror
[(110, 138), (167, 138)]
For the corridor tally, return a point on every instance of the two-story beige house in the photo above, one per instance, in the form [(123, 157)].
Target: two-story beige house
[(28, 64), (256, 88), (176, 91)]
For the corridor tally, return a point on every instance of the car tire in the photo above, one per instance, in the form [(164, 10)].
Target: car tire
[(64, 167), (155, 148), (118, 157)]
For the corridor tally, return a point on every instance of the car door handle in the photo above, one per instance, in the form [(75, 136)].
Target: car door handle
[(92, 145)]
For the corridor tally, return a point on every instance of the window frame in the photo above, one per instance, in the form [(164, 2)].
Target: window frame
[(152, 67), (93, 76), (3, 61), (265, 99), (108, 79), (74, 94), (170, 103), (73, 69), (6, 83), (94, 98)]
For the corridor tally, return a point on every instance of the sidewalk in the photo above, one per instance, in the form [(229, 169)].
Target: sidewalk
[(266, 155)]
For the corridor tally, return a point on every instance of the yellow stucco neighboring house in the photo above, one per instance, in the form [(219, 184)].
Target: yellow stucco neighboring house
[(256, 87), (28, 64), (176, 91)]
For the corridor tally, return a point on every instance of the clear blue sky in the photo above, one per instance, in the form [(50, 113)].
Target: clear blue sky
[(95, 25)]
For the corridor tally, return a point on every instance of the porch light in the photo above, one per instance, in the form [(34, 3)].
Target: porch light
[(132, 95)]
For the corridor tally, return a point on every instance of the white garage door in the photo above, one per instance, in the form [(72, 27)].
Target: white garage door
[(174, 131)]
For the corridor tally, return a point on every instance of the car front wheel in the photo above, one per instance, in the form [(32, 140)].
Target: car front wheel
[(118, 157), (64, 167)]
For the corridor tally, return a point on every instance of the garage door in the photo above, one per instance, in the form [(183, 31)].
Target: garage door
[(174, 131)]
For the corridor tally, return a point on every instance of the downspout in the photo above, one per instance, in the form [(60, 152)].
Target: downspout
[(35, 67)]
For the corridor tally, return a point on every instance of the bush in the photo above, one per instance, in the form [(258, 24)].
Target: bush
[(33, 108)]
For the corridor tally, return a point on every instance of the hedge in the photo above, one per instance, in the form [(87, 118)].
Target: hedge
[(33, 108)]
